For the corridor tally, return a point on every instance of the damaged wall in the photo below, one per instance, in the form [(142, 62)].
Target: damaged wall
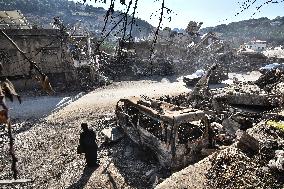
[(45, 47)]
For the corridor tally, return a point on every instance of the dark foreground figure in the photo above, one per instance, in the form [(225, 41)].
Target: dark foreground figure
[(88, 145)]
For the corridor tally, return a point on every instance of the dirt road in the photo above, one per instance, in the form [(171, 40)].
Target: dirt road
[(107, 97)]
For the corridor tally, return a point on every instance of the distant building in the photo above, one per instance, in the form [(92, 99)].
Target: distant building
[(276, 23), (256, 45)]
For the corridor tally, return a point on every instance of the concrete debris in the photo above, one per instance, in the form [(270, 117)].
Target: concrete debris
[(248, 143), (112, 134), (278, 161), (231, 126), (217, 77)]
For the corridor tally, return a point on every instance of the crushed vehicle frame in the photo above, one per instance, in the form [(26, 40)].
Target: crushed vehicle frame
[(169, 131), (216, 77)]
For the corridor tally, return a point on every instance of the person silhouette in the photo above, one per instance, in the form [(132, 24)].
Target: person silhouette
[(88, 145)]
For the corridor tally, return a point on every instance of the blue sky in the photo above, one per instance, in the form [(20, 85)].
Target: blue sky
[(211, 12)]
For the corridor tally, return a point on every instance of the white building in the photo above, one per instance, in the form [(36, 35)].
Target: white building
[(275, 23), (256, 45)]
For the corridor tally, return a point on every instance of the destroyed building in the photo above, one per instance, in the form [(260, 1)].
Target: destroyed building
[(173, 53), (44, 46)]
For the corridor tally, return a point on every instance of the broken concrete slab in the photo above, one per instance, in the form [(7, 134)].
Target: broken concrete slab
[(278, 162), (231, 126), (248, 144), (112, 134)]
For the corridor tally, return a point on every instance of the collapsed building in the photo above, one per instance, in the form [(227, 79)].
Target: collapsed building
[(44, 46), (172, 54), (64, 58)]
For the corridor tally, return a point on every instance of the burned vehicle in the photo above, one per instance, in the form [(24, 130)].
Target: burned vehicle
[(216, 77), (178, 129), (270, 67), (175, 134)]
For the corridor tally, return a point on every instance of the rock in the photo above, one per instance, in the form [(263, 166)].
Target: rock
[(128, 151), (112, 134), (231, 126), (278, 162), (248, 143)]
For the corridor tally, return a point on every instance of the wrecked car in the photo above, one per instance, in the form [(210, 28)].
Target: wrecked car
[(175, 134), (216, 77), (270, 67)]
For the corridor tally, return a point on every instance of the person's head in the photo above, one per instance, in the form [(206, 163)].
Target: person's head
[(84, 126)]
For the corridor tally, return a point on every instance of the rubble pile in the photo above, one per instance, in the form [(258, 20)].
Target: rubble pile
[(272, 81), (232, 114), (134, 163), (133, 68), (233, 169), (255, 160), (178, 100)]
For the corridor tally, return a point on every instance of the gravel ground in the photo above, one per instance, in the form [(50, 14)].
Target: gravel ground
[(47, 133)]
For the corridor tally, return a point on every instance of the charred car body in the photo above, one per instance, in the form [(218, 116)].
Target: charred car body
[(216, 77), (180, 128), (175, 134)]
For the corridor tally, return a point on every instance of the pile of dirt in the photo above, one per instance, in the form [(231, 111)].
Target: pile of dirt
[(234, 167)]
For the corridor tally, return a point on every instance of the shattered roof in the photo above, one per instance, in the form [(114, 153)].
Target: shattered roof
[(13, 20)]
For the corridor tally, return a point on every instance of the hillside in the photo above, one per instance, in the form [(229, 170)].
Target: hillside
[(271, 31), (41, 12)]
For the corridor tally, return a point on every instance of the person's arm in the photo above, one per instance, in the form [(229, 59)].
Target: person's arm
[(94, 138), (79, 147), (81, 139)]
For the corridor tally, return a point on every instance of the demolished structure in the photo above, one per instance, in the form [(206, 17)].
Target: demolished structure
[(183, 129), (64, 58), (45, 46)]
